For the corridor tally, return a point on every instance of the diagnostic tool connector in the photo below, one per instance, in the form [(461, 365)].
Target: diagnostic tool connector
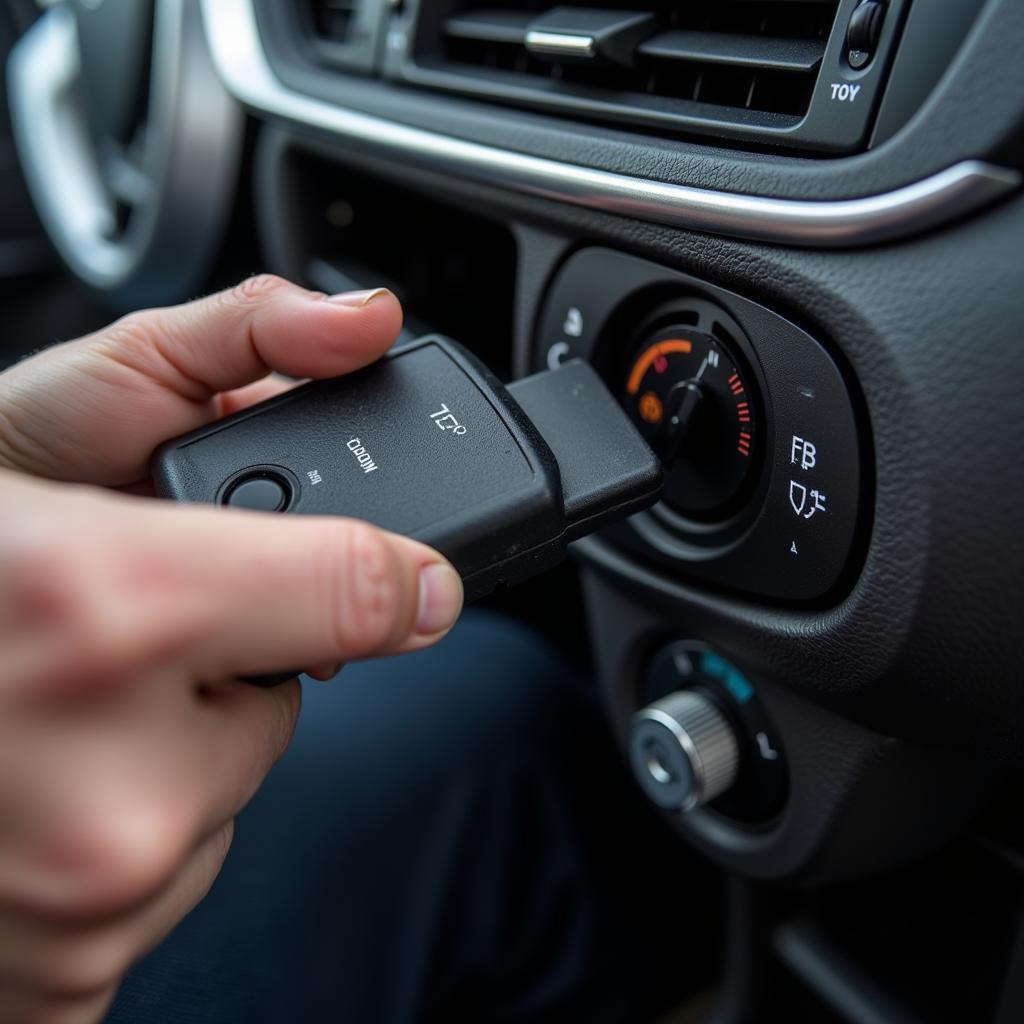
[(428, 443)]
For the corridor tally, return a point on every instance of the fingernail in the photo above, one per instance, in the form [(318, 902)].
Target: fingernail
[(358, 299), (322, 673), (440, 598)]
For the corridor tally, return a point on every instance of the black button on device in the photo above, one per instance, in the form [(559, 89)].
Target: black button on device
[(862, 33), (261, 493)]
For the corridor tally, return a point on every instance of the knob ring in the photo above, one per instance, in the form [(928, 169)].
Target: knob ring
[(706, 740), (692, 754)]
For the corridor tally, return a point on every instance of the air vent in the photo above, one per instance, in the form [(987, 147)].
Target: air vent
[(735, 68), (760, 57), (332, 20), (342, 33)]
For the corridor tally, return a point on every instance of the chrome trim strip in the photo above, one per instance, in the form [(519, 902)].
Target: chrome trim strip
[(239, 57), (559, 43)]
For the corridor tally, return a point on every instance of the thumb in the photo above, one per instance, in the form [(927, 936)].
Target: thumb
[(242, 593), (93, 410)]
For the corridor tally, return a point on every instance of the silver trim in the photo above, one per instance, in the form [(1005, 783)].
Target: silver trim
[(179, 188), (239, 57), (559, 43), (696, 795), (705, 739)]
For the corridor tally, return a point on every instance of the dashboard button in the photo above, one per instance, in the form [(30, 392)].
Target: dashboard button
[(862, 33)]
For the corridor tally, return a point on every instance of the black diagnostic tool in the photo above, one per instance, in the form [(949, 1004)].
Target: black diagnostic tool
[(426, 442)]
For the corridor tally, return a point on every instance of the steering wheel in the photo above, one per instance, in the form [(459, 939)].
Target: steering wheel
[(129, 143)]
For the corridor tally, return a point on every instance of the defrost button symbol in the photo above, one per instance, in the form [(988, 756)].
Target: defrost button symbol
[(806, 504)]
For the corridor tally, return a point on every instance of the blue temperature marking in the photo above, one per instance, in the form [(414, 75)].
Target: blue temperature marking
[(731, 678), (715, 666), (736, 683)]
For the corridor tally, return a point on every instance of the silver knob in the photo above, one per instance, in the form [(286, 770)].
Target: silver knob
[(683, 751)]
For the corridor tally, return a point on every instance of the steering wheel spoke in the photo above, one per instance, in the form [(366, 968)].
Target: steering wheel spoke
[(133, 190)]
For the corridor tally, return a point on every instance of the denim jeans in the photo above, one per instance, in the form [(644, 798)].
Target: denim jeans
[(450, 837)]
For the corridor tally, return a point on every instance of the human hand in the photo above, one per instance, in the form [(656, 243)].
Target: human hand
[(126, 746), (92, 410)]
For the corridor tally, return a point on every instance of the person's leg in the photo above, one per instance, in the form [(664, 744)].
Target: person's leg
[(443, 841)]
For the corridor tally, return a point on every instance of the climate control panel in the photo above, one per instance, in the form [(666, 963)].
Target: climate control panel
[(766, 474)]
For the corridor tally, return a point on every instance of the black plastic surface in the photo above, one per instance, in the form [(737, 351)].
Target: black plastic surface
[(930, 39), (863, 31), (427, 443), (354, 50), (606, 470), (927, 640)]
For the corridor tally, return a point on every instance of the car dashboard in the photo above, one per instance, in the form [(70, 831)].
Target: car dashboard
[(790, 238)]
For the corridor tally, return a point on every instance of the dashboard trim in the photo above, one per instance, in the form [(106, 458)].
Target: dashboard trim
[(239, 57)]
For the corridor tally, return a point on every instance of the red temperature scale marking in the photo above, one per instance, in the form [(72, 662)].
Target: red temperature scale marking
[(652, 406), (688, 375)]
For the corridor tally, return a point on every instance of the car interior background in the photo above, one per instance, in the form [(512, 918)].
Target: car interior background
[(789, 234)]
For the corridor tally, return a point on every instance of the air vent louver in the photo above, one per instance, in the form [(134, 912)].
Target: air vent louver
[(749, 63), (332, 19), (342, 33)]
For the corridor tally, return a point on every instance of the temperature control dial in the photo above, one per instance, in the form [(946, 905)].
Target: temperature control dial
[(683, 751), (693, 402)]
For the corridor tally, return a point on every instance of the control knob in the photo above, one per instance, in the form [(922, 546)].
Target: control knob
[(683, 751)]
